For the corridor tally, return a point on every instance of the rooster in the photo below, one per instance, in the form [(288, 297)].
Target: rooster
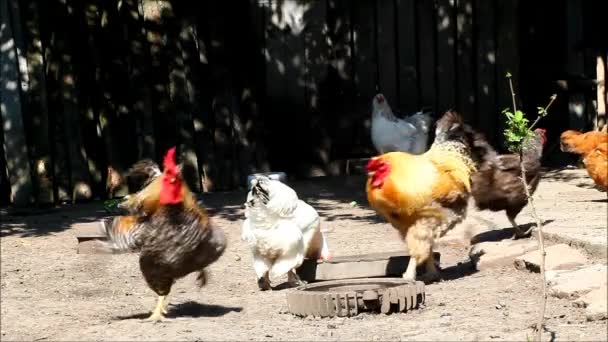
[(390, 133), (591, 146), (173, 240), (424, 196), (581, 143), (596, 163), (281, 231), (496, 185)]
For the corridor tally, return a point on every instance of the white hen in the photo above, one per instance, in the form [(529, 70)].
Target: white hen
[(281, 231), (390, 133)]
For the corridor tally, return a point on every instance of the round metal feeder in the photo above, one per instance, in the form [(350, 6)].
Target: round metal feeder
[(280, 176), (349, 297)]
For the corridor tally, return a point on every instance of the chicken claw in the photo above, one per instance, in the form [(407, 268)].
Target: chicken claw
[(294, 280), (264, 283)]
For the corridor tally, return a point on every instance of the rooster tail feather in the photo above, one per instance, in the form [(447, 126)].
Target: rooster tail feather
[(148, 195), (141, 174), (121, 233)]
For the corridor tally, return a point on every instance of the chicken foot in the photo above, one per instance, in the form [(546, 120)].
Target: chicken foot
[(518, 233), (293, 279), (159, 310), (264, 282), (431, 274)]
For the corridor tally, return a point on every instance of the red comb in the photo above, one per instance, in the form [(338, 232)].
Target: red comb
[(171, 190), (169, 161), (372, 164)]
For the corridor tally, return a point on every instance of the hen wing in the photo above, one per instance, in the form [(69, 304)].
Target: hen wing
[(123, 232)]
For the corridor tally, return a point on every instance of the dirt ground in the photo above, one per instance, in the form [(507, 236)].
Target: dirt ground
[(51, 293)]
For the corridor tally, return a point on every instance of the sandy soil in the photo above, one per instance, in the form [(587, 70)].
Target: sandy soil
[(51, 293)]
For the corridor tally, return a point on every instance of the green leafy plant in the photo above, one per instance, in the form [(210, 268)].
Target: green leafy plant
[(517, 131)]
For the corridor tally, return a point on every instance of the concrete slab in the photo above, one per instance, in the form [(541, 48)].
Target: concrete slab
[(558, 257), (500, 253), (574, 283), (596, 304)]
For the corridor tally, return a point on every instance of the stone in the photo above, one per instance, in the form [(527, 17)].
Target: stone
[(596, 303), (575, 283), (499, 253), (558, 257)]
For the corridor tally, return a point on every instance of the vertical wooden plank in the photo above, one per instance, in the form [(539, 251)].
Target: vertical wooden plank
[(276, 90), (366, 75), (5, 185), (446, 54), (427, 53), (601, 119), (59, 165), (37, 110), (575, 64), (507, 56), (346, 127), (317, 120), (465, 70), (80, 178), (409, 100), (15, 146), (485, 60), (139, 55), (386, 47)]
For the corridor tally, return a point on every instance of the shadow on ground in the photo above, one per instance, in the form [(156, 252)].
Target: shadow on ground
[(189, 309)]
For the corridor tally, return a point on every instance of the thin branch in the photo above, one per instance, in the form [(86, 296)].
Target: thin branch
[(512, 93), (541, 243), (553, 97)]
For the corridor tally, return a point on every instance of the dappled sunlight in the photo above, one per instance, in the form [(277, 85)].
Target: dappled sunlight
[(259, 85)]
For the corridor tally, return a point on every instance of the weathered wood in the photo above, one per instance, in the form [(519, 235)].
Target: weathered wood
[(139, 56), (485, 61), (409, 92), (465, 65), (365, 62), (507, 57), (316, 120), (15, 146), (427, 53), (446, 54), (601, 92), (575, 63), (357, 266), (339, 87), (182, 94), (79, 175), (36, 110), (387, 53)]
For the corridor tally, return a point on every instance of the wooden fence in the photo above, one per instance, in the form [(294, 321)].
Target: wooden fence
[(260, 85)]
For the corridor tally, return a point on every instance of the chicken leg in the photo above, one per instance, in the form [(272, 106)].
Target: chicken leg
[(159, 310), (517, 231)]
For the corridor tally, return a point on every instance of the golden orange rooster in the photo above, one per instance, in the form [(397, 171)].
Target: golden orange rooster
[(424, 196), (596, 163), (581, 143)]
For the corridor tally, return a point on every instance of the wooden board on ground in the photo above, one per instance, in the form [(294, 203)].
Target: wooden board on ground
[(357, 266), (89, 237)]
